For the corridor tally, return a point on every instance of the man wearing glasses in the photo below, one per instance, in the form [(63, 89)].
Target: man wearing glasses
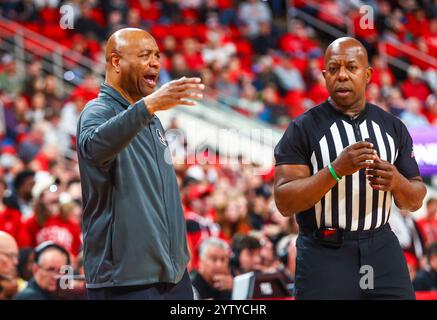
[(49, 259)]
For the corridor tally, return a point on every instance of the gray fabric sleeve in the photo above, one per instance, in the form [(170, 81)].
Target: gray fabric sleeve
[(101, 135)]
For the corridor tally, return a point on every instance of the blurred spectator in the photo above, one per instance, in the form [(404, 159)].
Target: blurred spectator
[(318, 93), (396, 102), (34, 78), (407, 231), (426, 280), (170, 12), (269, 260), (8, 265), (148, 9), (251, 13), (8, 287), (382, 21), (246, 254), (68, 121), (412, 115), (25, 262), (169, 46), (10, 218), (264, 71), (199, 218), (50, 258), (115, 22), (134, 19), (86, 23), (217, 49), (289, 77), (39, 107), (10, 80), (274, 112), (191, 52), (265, 40), (180, 67), (47, 224), (213, 279), (227, 87), (428, 224), (431, 109), (234, 217), (330, 11), (413, 86), (249, 103), (21, 197), (17, 120), (380, 70), (286, 251)]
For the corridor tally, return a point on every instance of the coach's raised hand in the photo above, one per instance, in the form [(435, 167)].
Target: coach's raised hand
[(177, 92), (354, 158)]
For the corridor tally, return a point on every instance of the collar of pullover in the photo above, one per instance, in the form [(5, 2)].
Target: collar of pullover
[(106, 89)]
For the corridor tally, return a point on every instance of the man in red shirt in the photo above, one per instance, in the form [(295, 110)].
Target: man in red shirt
[(414, 86), (428, 224)]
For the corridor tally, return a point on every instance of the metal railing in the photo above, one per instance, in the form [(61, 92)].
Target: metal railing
[(25, 43)]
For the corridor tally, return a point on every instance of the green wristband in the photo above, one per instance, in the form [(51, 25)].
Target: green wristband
[(331, 169)]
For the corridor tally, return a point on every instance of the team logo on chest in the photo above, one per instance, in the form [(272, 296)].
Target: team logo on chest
[(161, 137)]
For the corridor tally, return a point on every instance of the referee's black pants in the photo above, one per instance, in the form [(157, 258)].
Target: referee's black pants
[(182, 290), (327, 273)]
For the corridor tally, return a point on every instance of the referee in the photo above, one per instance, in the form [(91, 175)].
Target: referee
[(338, 166), (133, 224)]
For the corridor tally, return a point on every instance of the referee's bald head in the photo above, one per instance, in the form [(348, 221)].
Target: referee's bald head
[(347, 45)]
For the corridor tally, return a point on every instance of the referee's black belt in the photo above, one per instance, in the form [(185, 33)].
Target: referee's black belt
[(333, 237)]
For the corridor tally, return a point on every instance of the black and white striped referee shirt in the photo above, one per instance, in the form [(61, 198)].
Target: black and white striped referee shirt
[(317, 137)]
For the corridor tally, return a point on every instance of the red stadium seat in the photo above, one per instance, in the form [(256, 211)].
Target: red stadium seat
[(159, 31), (49, 15), (54, 31), (201, 32), (181, 31), (190, 14), (35, 27)]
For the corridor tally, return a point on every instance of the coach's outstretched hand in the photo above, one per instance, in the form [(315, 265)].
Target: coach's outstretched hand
[(173, 93), (353, 158)]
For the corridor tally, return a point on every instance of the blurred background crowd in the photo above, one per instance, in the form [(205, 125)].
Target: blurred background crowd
[(249, 59)]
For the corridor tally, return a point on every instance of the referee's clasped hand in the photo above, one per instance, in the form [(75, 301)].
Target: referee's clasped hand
[(183, 91), (382, 175), (353, 158)]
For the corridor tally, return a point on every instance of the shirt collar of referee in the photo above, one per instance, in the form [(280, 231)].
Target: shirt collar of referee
[(338, 113)]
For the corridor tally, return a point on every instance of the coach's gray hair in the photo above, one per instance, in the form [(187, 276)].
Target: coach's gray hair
[(212, 242)]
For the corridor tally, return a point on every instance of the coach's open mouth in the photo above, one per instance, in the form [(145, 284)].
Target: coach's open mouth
[(151, 79)]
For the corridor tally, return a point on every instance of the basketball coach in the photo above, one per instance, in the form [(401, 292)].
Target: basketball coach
[(133, 224)]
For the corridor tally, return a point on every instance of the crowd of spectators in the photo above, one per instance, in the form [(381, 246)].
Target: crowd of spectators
[(247, 59)]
